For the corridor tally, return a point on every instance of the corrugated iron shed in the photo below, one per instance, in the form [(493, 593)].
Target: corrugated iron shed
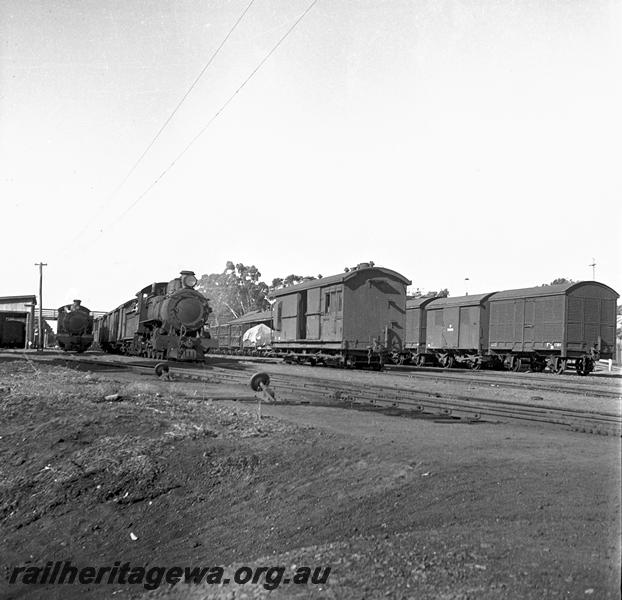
[(17, 303), (254, 316)]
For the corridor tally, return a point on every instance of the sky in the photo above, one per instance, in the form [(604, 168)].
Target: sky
[(469, 145)]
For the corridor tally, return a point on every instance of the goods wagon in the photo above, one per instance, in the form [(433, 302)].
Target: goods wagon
[(12, 332), (356, 318), (164, 320), (230, 335), (416, 324), (555, 326), (449, 331), (75, 327)]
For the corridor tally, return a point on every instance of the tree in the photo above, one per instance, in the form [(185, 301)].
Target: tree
[(442, 294), (280, 282), (559, 281), (234, 292)]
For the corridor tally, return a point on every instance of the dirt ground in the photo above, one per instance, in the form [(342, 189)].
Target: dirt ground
[(167, 474)]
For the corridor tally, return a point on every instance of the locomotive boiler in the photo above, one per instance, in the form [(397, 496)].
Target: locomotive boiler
[(164, 321), (75, 327)]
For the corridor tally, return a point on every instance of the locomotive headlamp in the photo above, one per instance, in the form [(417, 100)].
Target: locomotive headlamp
[(189, 281)]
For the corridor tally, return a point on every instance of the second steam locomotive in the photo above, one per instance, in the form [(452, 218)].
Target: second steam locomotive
[(75, 327), (164, 321)]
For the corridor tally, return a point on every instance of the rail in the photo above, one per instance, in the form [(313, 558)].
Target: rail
[(292, 389)]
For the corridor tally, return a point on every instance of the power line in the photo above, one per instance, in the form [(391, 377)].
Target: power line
[(216, 115), (168, 120)]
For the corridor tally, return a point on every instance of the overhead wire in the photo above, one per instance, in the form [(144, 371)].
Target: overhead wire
[(215, 116), (168, 119)]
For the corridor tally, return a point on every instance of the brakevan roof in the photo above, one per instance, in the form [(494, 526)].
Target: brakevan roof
[(342, 277), (473, 300), (548, 290)]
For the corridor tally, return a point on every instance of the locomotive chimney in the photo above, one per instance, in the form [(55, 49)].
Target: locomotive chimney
[(77, 302)]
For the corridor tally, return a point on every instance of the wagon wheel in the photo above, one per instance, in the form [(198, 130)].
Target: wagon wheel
[(559, 366), (476, 365), (259, 380), (517, 365), (161, 368), (421, 360), (449, 361), (580, 367), (584, 365)]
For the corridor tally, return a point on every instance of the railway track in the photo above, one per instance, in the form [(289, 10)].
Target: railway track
[(576, 386), (566, 383), (395, 398)]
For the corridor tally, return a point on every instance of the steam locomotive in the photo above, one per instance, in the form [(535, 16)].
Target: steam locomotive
[(164, 321), (75, 327)]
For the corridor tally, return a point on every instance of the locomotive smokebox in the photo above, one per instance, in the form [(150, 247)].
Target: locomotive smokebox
[(76, 322), (185, 309), (189, 311)]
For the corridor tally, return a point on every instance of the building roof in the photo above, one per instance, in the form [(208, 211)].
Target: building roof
[(548, 290), (254, 316), (340, 278), (11, 299)]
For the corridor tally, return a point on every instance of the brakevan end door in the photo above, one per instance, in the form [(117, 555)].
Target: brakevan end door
[(332, 314), (314, 313)]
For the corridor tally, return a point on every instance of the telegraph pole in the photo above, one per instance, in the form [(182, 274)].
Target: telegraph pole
[(593, 265), (41, 265)]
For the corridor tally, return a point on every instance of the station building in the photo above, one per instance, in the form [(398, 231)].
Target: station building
[(17, 321)]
